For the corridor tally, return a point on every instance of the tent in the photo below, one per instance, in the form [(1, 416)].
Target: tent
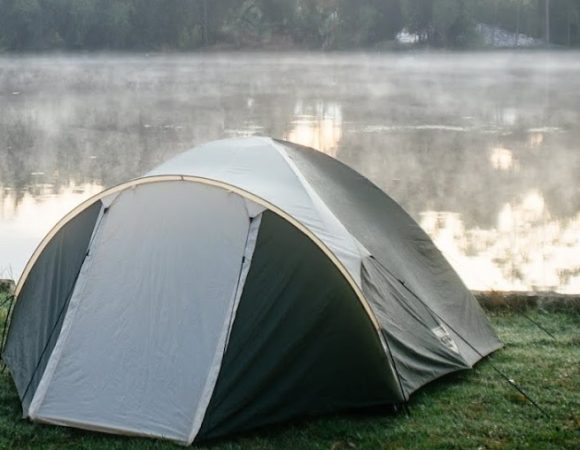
[(241, 283)]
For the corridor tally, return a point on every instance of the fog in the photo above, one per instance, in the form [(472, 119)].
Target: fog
[(483, 150)]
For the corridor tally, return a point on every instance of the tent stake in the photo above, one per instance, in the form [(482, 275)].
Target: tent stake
[(519, 389)]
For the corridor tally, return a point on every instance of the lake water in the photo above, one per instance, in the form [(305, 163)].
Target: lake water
[(483, 150)]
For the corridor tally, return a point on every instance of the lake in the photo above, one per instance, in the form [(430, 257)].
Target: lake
[(482, 149)]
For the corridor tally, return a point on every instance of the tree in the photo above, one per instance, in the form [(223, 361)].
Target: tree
[(23, 25), (366, 22), (439, 22), (71, 19), (417, 17)]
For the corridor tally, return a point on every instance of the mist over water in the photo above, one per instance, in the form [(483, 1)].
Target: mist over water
[(482, 149)]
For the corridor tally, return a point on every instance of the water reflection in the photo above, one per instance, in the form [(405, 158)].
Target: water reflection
[(317, 125), (501, 158), (481, 150), (536, 139), (527, 249), (26, 216)]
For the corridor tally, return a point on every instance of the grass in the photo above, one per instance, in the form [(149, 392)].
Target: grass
[(474, 409)]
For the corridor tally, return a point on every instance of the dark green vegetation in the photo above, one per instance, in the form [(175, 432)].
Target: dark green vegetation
[(473, 409), (329, 24)]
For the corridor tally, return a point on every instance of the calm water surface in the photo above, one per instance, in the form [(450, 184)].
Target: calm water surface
[(483, 150)]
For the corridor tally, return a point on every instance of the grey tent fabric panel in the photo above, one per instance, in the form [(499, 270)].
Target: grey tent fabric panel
[(43, 300), (259, 167), (399, 244), (412, 332), (301, 342), (149, 313)]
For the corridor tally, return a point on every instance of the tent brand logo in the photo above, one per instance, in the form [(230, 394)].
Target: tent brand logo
[(443, 334)]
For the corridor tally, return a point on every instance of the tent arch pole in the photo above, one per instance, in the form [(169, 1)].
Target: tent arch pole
[(69, 216), (390, 362), (210, 182)]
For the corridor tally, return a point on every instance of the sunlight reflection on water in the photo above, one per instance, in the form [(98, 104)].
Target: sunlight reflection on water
[(26, 217), (486, 161), (319, 127)]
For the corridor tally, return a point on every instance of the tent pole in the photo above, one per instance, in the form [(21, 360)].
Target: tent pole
[(60, 313), (65, 304), (5, 330), (384, 334), (404, 403)]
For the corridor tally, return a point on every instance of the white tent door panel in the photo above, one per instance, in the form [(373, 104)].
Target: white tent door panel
[(149, 313)]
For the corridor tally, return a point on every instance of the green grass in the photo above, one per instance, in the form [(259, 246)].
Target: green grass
[(474, 409)]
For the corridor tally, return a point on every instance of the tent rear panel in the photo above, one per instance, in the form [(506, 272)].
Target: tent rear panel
[(43, 300), (149, 313), (301, 342), (399, 244)]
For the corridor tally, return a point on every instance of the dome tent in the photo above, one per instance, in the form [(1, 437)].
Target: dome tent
[(241, 283)]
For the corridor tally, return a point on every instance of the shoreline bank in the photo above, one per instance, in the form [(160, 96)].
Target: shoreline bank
[(514, 301)]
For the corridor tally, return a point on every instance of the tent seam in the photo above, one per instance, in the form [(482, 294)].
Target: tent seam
[(211, 381)]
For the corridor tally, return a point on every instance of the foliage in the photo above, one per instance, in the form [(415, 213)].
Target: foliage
[(472, 409), (330, 24), (440, 22), (529, 17)]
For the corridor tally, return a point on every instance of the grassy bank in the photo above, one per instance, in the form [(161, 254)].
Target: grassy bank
[(474, 409)]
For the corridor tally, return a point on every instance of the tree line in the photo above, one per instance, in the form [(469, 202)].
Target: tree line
[(37, 25)]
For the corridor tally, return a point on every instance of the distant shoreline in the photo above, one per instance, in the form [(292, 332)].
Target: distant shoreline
[(269, 52), (518, 301), (294, 49)]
